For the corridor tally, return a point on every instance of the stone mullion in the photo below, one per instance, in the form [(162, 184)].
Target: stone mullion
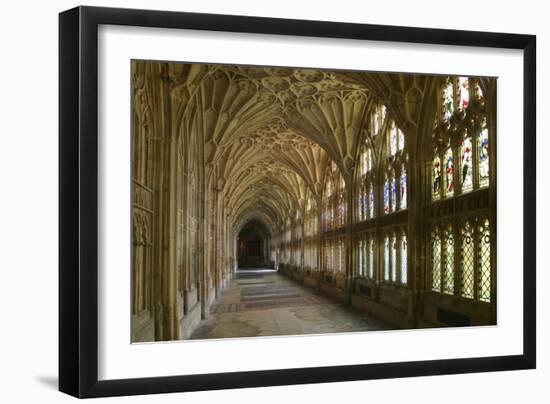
[(302, 240), (214, 241), (185, 283), (477, 268), (443, 272), (457, 257), (475, 159), (349, 249), (204, 250), (318, 239)]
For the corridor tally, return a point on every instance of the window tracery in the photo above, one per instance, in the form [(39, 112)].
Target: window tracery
[(377, 119), (474, 252), (310, 236), (395, 176), (461, 140), (364, 189), (403, 258), (334, 199), (467, 261)]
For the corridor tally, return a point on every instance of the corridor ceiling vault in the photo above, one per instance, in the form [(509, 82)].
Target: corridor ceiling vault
[(269, 132), (334, 166)]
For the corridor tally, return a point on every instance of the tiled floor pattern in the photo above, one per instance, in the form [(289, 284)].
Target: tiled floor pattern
[(263, 303)]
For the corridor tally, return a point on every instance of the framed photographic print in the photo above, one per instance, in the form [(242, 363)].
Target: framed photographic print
[(251, 201)]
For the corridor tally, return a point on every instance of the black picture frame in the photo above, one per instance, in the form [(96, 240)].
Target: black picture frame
[(78, 201)]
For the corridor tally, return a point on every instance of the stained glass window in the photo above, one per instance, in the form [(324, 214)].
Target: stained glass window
[(393, 251), (361, 258), (386, 259), (360, 204), (370, 160), (483, 152), (466, 174), (366, 257), (449, 169), (393, 193), (400, 139), (342, 211), (364, 163), (365, 203), (371, 258), (436, 177), (371, 201), (386, 195), (464, 93), (449, 276), (403, 259), (467, 261), (484, 259), (329, 248), (403, 187), (336, 244), (448, 105), (479, 92), (436, 260), (378, 119), (393, 139)]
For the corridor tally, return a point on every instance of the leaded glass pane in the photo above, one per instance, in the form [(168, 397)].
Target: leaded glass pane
[(369, 160), (448, 102), (371, 258), (341, 212), (483, 151), (393, 139), (360, 257), (403, 186), (393, 259), (378, 119), (449, 276), (364, 204), (449, 169), (466, 175), (393, 193), (436, 260), (479, 92), (386, 196), (364, 167), (371, 202), (464, 93), (360, 205), (364, 248), (342, 255), (386, 259), (404, 259), (436, 178), (400, 139), (485, 262), (467, 261)]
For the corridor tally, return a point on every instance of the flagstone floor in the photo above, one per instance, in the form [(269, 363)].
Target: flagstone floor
[(265, 303)]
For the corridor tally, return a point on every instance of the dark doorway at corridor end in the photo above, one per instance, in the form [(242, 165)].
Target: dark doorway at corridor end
[(253, 246)]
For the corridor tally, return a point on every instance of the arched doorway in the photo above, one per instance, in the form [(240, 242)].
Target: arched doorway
[(253, 246)]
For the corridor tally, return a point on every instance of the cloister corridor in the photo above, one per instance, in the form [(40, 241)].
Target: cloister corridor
[(284, 200), (262, 302)]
